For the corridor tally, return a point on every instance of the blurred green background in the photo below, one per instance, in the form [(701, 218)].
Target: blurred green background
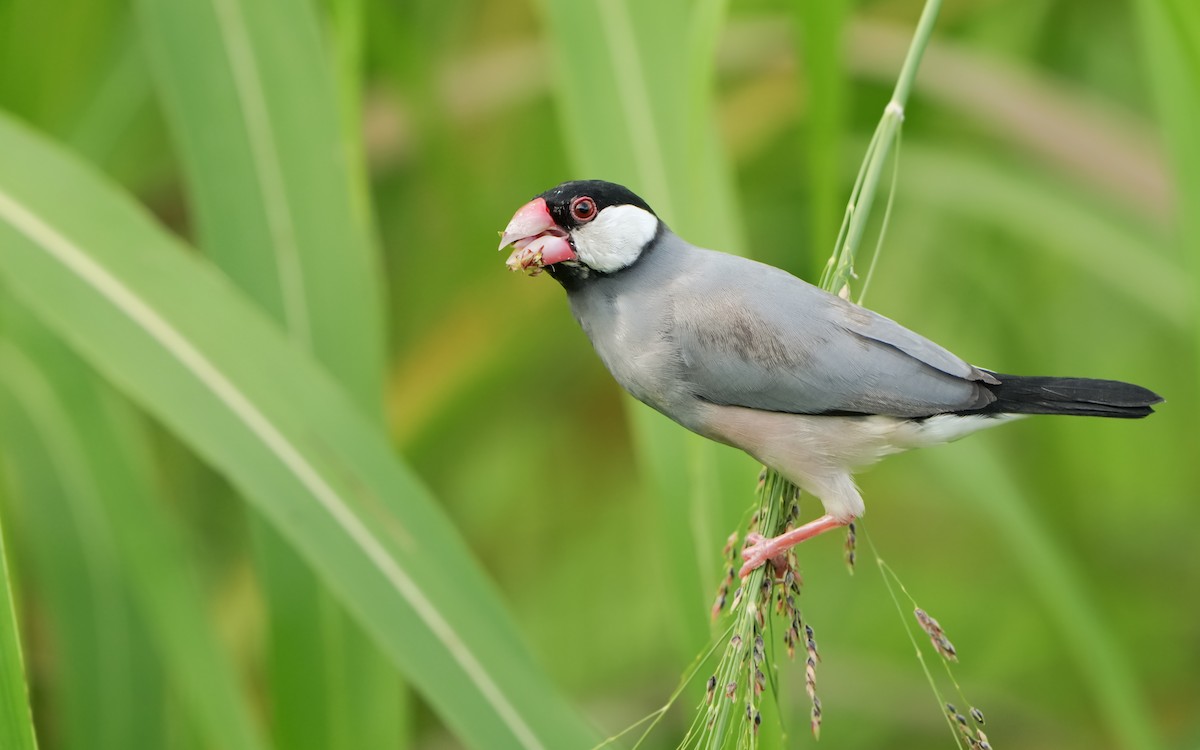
[(1046, 221)]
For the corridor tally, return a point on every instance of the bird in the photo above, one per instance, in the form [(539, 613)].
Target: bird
[(746, 354)]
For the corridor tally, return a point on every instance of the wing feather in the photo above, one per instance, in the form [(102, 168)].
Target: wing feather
[(761, 338)]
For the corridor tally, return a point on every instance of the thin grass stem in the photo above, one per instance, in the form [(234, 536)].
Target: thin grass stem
[(838, 272), (889, 577), (840, 268)]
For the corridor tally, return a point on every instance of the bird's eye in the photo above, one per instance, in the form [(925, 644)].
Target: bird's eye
[(583, 209)]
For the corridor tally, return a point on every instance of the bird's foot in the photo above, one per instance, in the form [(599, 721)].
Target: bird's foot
[(759, 550)]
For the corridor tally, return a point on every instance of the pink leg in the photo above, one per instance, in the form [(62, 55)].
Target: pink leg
[(763, 550)]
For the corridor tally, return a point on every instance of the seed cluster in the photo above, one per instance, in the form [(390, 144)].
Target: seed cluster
[(974, 737), (730, 576), (936, 635), (780, 585), (743, 671)]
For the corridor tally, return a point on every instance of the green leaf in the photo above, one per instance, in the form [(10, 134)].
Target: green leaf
[(94, 695), (181, 342), (1170, 33), (251, 100), (16, 722), (1093, 242), (36, 80), (98, 442)]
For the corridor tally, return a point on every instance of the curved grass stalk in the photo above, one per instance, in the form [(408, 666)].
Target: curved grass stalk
[(774, 513), (16, 719)]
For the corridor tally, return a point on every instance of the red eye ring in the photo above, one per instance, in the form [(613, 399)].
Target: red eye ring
[(583, 209)]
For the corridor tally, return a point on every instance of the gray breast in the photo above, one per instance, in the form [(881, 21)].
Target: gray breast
[(629, 318)]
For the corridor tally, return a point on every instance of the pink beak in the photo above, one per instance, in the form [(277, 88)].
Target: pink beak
[(537, 241)]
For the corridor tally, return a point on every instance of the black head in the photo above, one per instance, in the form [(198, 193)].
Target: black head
[(581, 229), (562, 198)]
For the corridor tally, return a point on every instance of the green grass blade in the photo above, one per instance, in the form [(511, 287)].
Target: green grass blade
[(115, 117), (1170, 34), (182, 343), (250, 99), (72, 562), (16, 721), (105, 691), (252, 80), (100, 435), (346, 32), (36, 79), (1096, 243)]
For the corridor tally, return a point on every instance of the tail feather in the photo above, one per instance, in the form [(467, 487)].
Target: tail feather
[(1087, 397)]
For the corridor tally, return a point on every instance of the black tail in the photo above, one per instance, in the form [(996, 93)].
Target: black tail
[(1019, 394)]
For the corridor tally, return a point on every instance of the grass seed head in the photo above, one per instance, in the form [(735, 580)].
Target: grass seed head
[(851, 547), (936, 635), (816, 718), (730, 544)]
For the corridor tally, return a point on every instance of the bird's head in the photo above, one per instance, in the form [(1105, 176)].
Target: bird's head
[(580, 229)]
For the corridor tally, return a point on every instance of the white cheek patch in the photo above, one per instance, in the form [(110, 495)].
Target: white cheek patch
[(615, 238)]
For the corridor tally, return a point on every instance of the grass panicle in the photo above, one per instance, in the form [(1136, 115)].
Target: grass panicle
[(744, 670)]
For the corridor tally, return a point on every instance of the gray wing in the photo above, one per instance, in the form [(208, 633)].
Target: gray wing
[(751, 335)]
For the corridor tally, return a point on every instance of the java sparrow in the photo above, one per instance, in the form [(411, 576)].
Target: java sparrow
[(748, 355)]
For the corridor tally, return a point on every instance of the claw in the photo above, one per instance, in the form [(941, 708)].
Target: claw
[(759, 549), (758, 553)]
